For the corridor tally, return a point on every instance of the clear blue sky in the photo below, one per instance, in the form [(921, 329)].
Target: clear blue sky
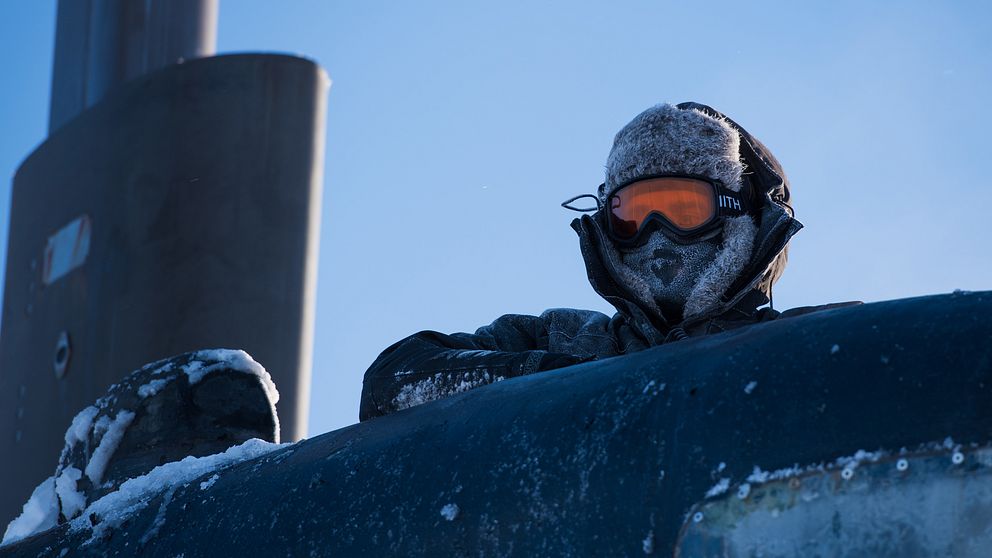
[(459, 127)]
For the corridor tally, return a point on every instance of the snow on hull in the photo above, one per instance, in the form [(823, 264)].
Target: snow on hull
[(115, 508), (95, 434), (40, 513)]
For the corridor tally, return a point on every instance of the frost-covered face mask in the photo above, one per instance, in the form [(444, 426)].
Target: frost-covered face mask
[(668, 270), (685, 280)]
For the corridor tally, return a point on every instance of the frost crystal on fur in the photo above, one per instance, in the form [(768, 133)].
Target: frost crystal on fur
[(664, 271), (665, 139), (734, 254)]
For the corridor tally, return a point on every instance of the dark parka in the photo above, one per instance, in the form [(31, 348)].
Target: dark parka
[(429, 365)]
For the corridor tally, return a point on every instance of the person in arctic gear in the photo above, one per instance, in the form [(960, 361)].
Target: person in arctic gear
[(689, 234)]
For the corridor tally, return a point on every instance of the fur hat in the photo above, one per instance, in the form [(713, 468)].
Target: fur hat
[(666, 139)]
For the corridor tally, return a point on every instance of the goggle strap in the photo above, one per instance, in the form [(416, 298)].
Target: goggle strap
[(567, 204)]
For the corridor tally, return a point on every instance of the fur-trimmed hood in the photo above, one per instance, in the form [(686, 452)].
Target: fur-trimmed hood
[(752, 289)]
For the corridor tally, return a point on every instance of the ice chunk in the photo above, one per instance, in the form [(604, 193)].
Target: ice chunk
[(450, 511), (835, 349), (718, 488), (79, 430), (750, 387), (40, 512), (69, 495)]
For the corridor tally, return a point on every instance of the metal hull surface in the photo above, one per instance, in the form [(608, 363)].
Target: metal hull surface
[(606, 458)]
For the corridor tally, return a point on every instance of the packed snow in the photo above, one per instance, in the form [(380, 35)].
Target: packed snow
[(135, 494), (40, 513), (42, 509), (73, 501), (79, 430), (113, 433), (152, 388)]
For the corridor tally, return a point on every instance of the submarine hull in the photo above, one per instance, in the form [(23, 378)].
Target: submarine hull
[(612, 457)]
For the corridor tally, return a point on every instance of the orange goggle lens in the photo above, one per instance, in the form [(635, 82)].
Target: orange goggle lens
[(687, 203)]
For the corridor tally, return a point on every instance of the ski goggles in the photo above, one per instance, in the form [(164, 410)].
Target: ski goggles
[(687, 208)]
